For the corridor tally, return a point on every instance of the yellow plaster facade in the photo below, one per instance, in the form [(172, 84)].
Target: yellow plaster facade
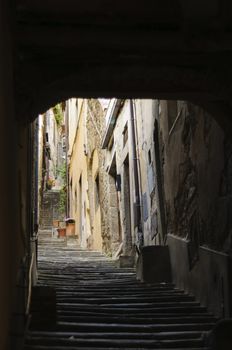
[(87, 216)]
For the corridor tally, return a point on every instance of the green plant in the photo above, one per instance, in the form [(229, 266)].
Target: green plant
[(62, 172), (50, 183), (62, 201), (58, 114)]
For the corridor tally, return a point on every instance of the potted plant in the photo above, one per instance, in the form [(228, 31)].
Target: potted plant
[(50, 183), (70, 227), (61, 230)]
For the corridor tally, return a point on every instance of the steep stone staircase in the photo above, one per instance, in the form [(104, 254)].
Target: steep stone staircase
[(50, 208), (100, 306)]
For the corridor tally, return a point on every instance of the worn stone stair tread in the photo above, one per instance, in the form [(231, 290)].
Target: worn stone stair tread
[(137, 320), (140, 314), (118, 342), (134, 335), (138, 307), (130, 301), (124, 297), (55, 347), (114, 289), (127, 305), (138, 327), (121, 343)]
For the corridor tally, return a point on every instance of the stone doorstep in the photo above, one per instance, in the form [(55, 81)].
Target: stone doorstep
[(126, 261), (153, 265), (72, 240)]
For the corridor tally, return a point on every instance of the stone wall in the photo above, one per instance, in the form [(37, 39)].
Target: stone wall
[(196, 161), (78, 179), (13, 207), (95, 128), (50, 209), (119, 163), (145, 120), (197, 165)]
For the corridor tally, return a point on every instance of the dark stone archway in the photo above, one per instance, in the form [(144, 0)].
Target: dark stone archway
[(154, 49)]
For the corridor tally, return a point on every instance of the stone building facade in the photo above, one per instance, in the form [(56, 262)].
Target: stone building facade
[(96, 176), (51, 165), (77, 170), (195, 158), (89, 195), (118, 166), (54, 145), (173, 161), (130, 164)]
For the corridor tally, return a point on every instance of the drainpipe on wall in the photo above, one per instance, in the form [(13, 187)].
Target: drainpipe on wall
[(159, 177), (35, 206), (66, 158), (36, 175), (140, 238), (30, 181), (30, 165)]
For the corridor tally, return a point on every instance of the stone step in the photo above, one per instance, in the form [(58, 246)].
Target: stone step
[(120, 327), (81, 317), (133, 310), (100, 335), (55, 347), (100, 306), (120, 343)]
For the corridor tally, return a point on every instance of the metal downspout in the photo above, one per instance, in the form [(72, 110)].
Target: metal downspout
[(159, 178), (66, 158), (140, 238)]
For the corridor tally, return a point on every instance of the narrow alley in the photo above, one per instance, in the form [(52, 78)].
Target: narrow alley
[(102, 306), (125, 224), (116, 174)]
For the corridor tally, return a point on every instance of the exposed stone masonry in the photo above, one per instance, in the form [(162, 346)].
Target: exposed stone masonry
[(198, 175), (50, 209), (109, 224)]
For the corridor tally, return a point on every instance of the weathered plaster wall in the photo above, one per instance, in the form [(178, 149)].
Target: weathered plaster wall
[(209, 279), (40, 161), (97, 177), (145, 119), (78, 178), (54, 139), (196, 161), (73, 106), (119, 161), (86, 176), (194, 168)]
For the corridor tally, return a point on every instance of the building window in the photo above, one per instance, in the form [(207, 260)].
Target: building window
[(96, 192), (149, 157), (125, 135), (75, 199)]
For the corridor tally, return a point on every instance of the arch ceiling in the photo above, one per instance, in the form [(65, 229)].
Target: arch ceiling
[(106, 48)]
